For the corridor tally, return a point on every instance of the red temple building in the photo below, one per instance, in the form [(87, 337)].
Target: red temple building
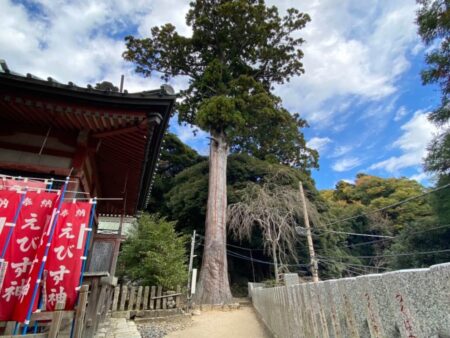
[(105, 140)]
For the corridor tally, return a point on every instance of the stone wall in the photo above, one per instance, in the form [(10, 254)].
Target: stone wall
[(406, 303)]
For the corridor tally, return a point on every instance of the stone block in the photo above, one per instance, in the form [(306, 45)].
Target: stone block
[(439, 277), (291, 279)]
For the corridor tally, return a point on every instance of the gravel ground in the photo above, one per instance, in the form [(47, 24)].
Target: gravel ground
[(160, 328)]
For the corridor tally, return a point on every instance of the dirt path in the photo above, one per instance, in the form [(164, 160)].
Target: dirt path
[(240, 323)]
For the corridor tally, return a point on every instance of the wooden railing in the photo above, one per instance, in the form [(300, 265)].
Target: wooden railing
[(136, 298)]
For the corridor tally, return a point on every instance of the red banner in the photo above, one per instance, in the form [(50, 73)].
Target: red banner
[(64, 260), (9, 202), (34, 217), (67, 254), (12, 184)]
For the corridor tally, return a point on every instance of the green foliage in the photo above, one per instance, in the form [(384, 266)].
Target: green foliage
[(175, 157), (187, 197), (371, 192), (367, 194), (154, 254), (419, 237), (440, 201), (433, 19), (426, 235), (237, 51)]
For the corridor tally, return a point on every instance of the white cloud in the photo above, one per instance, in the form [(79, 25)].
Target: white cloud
[(318, 143), (417, 134), (348, 180), (346, 164), (354, 49), (401, 112), (420, 177), (166, 11), (82, 41), (341, 150)]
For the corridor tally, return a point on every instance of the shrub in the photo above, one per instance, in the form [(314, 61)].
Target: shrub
[(154, 254)]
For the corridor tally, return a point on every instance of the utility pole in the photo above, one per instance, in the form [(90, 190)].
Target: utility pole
[(191, 261), (312, 254)]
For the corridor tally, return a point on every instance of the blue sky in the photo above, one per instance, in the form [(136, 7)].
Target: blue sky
[(361, 94)]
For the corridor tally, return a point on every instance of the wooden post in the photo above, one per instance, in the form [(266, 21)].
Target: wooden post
[(123, 297), (132, 298), (312, 254), (146, 294), (178, 298), (91, 311), (116, 298), (139, 298), (158, 300), (56, 320), (101, 310), (80, 312), (152, 302), (164, 303), (9, 329)]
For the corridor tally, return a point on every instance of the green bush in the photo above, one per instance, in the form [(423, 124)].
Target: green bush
[(154, 254)]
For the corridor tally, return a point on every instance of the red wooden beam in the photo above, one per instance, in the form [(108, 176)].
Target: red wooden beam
[(34, 168), (10, 128), (140, 126), (34, 149)]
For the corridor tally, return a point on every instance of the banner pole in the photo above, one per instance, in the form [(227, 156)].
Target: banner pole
[(86, 250), (44, 259), (88, 239), (50, 185), (48, 188), (11, 229)]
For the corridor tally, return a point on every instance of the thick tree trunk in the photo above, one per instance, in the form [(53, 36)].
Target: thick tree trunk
[(214, 287)]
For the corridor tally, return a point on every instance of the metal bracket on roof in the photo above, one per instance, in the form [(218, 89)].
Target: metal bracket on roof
[(34, 77), (4, 66), (167, 90), (52, 80)]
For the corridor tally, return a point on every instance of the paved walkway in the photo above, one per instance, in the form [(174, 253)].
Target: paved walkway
[(118, 328), (240, 323)]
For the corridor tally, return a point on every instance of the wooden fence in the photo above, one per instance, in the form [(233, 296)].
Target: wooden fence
[(95, 299), (137, 298), (48, 324)]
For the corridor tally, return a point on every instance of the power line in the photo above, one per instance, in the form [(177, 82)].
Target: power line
[(241, 247), (323, 258), (235, 246), (358, 273), (238, 255), (390, 206), (262, 262), (354, 233), (396, 237), (401, 254)]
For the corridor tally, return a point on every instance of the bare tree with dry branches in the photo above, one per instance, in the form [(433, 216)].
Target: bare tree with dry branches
[(276, 210)]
